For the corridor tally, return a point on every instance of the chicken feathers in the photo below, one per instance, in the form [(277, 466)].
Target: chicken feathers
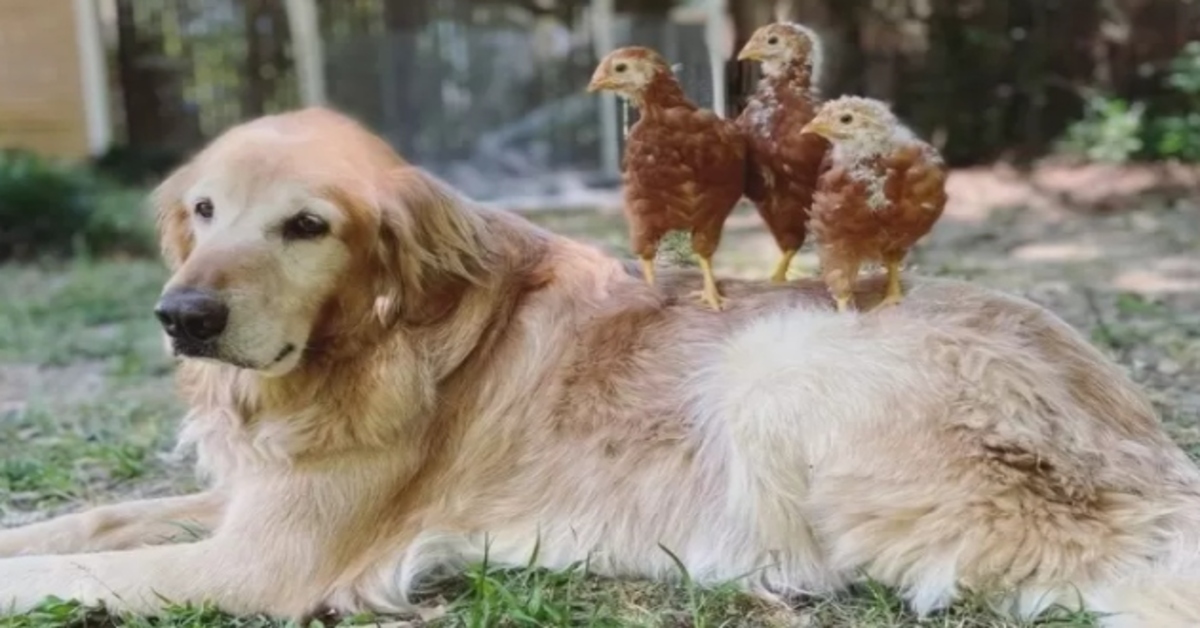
[(683, 167), (783, 164), (884, 190)]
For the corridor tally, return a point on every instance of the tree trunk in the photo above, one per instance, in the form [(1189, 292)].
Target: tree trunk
[(139, 84)]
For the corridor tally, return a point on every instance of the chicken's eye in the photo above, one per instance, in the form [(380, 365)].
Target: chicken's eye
[(620, 67), (846, 119), (772, 40), (203, 208)]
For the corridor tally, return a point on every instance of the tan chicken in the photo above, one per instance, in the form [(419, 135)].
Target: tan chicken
[(684, 167), (783, 163), (884, 190)]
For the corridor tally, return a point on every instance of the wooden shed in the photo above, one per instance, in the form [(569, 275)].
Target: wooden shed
[(53, 87)]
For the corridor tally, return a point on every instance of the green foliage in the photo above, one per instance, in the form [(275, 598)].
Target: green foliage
[(136, 165), (50, 209), (1115, 131), (1176, 134), (1110, 132), (43, 205), (1184, 76), (675, 249), (1178, 137)]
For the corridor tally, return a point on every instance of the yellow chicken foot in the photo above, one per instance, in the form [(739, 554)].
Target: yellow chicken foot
[(843, 302), (648, 270), (781, 268), (709, 294), (895, 293)]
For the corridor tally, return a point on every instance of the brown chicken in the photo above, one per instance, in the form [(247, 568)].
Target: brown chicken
[(684, 167), (783, 164), (884, 190)]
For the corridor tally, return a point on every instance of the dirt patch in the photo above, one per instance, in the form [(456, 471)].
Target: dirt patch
[(73, 383)]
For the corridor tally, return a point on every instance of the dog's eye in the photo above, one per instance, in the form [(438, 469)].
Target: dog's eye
[(305, 227), (203, 208)]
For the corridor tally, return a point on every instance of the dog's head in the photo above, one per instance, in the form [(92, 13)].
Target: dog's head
[(291, 234)]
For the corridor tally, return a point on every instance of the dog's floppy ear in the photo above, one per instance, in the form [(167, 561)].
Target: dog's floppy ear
[(173, 217), (430, 246)]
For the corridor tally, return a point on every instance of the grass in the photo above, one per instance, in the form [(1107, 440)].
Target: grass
[(58, 315), (85, 403), (527, 598), (87, 415)]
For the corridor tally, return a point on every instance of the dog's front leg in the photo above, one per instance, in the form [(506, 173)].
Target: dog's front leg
[(118, 526), (233, 577)]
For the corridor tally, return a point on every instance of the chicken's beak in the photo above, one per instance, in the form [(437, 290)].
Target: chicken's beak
[(750, 52), (817, 127), (600, 81)]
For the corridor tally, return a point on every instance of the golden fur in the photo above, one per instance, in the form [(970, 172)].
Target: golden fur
[(467, 378)]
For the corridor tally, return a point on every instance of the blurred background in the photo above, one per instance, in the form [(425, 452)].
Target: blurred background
[(489, 93), (1073, 127)]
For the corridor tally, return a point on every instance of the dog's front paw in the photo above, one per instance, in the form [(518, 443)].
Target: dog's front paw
[(26, 582), (19, 542)]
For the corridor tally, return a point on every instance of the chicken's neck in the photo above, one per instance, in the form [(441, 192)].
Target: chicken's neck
[(662, 93), (867, 150), (861, 155), (789, 82), (785, 98)]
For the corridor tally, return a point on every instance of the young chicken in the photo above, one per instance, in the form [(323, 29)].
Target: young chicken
[(684, 167), (884, 190), (783, 164)]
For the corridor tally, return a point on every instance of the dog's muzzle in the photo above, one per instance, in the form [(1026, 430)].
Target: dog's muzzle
[(193, 318)]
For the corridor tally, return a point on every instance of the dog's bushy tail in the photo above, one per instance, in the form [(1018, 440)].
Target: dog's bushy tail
[(1154, 582)]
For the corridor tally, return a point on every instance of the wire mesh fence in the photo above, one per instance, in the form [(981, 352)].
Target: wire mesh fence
[(487, 95)]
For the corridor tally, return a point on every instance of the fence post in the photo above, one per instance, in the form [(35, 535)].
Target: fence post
[(610, 132), (93, 70), (309, 57), (715, 39)]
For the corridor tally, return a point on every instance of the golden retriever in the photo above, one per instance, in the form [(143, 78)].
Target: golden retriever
[(385, 378)]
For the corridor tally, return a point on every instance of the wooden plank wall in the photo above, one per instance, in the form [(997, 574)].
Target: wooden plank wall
[(41, 91)]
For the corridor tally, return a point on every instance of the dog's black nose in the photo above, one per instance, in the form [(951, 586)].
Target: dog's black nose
[(192, 314)]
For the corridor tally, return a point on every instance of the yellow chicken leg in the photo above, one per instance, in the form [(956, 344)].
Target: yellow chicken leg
[(781, 268), (648, 270), (895, 293), (840, 276), (709, 294)]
